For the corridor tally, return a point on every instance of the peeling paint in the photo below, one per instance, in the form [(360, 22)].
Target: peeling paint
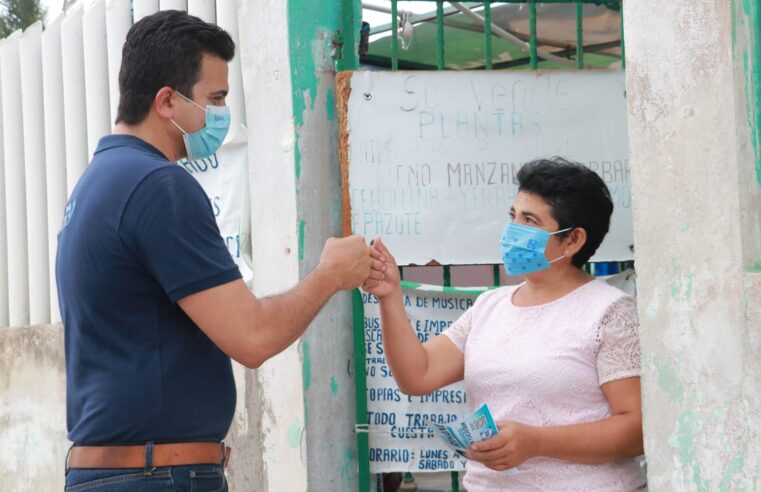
[(294, 434), (688, 287), (330, 104), (752, 75), (307, 364), (681, 283), (302, 229), (314, 37), (346, 471), (684, 442), (735, 466), (306, 71), (304, 62), (668, 378), (297, 158)]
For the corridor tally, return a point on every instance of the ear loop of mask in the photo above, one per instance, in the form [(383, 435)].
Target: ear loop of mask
[(558, 232), (178, 126), (191, 102)]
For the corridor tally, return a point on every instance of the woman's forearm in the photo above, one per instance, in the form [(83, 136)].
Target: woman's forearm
[(405, 354), (612, 439)]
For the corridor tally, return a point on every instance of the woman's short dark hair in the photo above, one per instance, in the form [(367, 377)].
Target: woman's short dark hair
[(165, 50), (577, 195)]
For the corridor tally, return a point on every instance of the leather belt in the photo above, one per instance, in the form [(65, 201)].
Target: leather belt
[(149, 455)]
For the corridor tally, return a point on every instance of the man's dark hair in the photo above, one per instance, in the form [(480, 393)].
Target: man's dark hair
[(577, 195), (165, 49)]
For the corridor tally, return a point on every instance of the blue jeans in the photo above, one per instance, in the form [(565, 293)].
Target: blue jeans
[(190, 478)]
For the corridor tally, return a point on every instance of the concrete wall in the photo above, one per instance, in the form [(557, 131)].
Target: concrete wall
[(306, 395), (32, 408), (327, 347), (276, 445), (295, 206), (33, 415), (303, 400), (696, 215)]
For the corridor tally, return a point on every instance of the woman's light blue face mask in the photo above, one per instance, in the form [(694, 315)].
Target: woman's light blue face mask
[(522, 248), (208, 139)]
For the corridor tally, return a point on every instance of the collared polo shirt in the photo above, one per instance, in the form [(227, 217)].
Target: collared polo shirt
[(139, 234)]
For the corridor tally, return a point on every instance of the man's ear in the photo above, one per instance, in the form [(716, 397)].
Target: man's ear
[(164, 103)]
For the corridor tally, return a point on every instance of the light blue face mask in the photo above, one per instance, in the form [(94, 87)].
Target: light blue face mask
[(522, 248), (208, 139)]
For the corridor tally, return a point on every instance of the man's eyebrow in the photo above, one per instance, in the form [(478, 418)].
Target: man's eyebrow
[(219, 93), (529, 214)]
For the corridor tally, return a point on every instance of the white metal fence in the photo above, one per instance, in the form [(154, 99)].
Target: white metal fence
[(59, 93)]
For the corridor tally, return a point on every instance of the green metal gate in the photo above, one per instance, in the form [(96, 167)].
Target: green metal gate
[(535, 59)]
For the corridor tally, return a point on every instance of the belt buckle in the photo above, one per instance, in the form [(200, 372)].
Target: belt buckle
[(225, 458)]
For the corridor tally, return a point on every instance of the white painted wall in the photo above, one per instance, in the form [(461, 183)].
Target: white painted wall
[(118, 22), (95, 45), (141, 8), (694, 195), (59, 95), (205, 9), (267, 86), (75, 113), (34, 167), (55, 147), (227, 19), (73, 96), (15, 182), (4, 315), (173, 4)]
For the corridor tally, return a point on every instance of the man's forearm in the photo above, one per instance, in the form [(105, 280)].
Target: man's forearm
[(285, 317)]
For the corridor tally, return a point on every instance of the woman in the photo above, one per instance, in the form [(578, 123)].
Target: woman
[(556, 358)]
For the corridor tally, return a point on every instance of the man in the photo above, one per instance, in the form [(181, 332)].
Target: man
[(152, 303)]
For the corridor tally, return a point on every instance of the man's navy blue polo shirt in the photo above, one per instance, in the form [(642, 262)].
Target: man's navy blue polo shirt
[(139, 234)]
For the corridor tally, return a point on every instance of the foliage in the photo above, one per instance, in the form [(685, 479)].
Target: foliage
[(19, 14)]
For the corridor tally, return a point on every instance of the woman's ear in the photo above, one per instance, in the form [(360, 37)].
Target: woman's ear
[(576, 240)]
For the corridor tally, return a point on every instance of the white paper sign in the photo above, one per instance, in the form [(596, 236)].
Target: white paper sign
[(400, 439), (223, 177), (433, 156)]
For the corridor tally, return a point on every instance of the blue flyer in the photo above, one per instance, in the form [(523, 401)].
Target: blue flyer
[(461, 434)]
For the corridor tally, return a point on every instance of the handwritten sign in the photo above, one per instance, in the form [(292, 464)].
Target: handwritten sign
[(223, 176), (400, 439), (431, 157)]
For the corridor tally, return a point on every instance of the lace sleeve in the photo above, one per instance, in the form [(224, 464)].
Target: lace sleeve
[(618, 355), (459, 330)]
